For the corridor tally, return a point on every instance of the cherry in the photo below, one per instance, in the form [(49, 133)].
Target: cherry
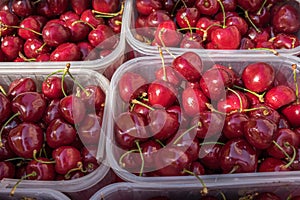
[(193, 101), (250, 5), (161, 94), (20, 85), (29, 28), (207, 7), (163, 124), (7, 170), (286, 19), (90, 129), (209, 155), (43, 57), (259, 132), (5, 108), (238, 156), (72, 109), (130, 127), (285, 41), (115, 23), (25, 138), (85, 49), (11, 46), (205, 26), (29, 106), (234, 125), (226, 38), (89, 160), (271, 164), (5, 150), (66, 52), (229, 5), (80, 6), (262, 110), (79, 31), (197, 168), (261, 18), (192, 41), (40, 170), (88, 17), (55, 34), (52, 111), (93, 97), (167, 35), (279, 96), (58, 7), (234, 101), (239, 22), (146, 7), (258, 77), (187, 17), (102, 37), (246, 43), (152, 21), (34, 47), (292, 113), (150, 149), (7, 19), (60, 133), (106, 6), (52, 87), (189, 65), (169, 74), (66, 158), (43, 8)]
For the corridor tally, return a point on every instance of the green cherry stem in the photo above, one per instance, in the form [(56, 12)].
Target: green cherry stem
[(294, 67), (266, 49), (13, 190), (234, 169), (160, 142), (259, 96), (104, 14), (125, 154), (208, 143), (41, 161), (142, 157), (282, 150), (162, 42), (240, 99), (78, 168), (199, 124), (84, 22), (224, 14), (134, 101), (27, 29), (262, 6), (162, 63), (293, 157), (204, 190), (251, 22), (211, 108), (5, 124), (223, 195), (2, 90)]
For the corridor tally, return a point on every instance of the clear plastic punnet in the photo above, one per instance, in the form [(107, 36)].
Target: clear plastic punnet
[(123, 127), (141, 47), (84, 77)]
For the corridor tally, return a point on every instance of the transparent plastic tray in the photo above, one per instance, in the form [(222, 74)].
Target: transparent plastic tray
[(144, 49), (134, 191), (86, 77), (36, 194), (146, 66)]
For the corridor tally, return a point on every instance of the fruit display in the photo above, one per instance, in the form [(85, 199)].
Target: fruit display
[(223, 26), (51, 128), (245, 191), (200, 115)]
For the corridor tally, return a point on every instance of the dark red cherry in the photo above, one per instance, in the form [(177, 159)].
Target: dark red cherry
[(292, 113), (285, 41), (66, 158), (19, 86), (106, 6), (279, 96), (187, 17), (5, 150), (150, 149), (191, 41), (55, 34), (79, 31), (80, 6), (89, 130), (238, 156), (271, 164), (85, 49), (209, 155), (60, 133), (261, 18), (250, 5), (7, 170), (89, 17), (229, 5), (93, 97), (7, 19), (152, 21), (146, 7), (25, 138), (30, 28), (52, 87), (167, 35), (5, 108), (52, 111), (11, 46), (161, 94), (267, 196), (234, 125), (88, 154), (58, 7), (262, 110), (259, 132), (102, 37), (239, 22), (66, 52), (40, 169), (207, 7), (170, 76), (72, 109), (197, 168), (205, 26), (234, 101), (33, 47)]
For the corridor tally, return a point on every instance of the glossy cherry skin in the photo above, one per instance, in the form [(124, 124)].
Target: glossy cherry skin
[(239, 22), (250, 5), (187, 14), (52, 87), (29, 23), (189, 66), (72, 109), (66, 52), (226, 38), (286, 19), (207, 7), (292, 113), (197, 168), (233, 102), (193, 101), (271, 164), (258, 77), (5, 150), (209, 155), (161, 94), (287, 140), (33, 48), (58, 7), (150, 149), (52, 111), (262, 110), (30, 106), (171, 75), (191, 41), (90, 128), (79, 31), (85, 49), (171, 161), (80, 6), (60, 133), (205, 27), (11, 46), (5, 108), (25, 138), (9, 19), (66, 158), (146, 7), (7, 170), (238, 155), (88, 16), (152, 21), (128, 128), (88, 154), (259, 132), (106, 6), (55, 34), (102, 37), (279, 96), (115, 23), (43, 171), (233, 126), (167, 35), (163, 124), (93, 97), (19, 86)]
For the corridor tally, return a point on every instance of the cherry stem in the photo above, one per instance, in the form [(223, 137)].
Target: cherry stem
[(142, 158), (208, 143), (223, 195), (162, 42), (184, 4), (27, 29), (266, 49), (240, 99), (174, 8), (12, 192), (125, 154), (75, 81), (134, 101), (262, 6), (294, 155), (41, 161), (35, 2), (163, 63), (159, 142), (16, 158), (204, 190), (2, 90), (265, 112), (234, 169), (259, 96), (223, 11), (104, 14), (211, 108), (251, 22), (5, 124), (26, 59), (189, 25), (187, 131), (78, 168), (282, 150), (84, 22), (41, 48), (294, 67)]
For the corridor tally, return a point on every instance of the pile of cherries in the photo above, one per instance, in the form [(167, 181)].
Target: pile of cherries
[(58, 30), (191, 118), (47, 131), (218, 24)]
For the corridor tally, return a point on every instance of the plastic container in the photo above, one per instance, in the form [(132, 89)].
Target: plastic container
[(146, 67), (85, 77), (107, 64), (142, 48), (37, 194), (136, 191)]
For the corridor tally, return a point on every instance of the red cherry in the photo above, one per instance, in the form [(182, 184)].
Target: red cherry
[(66, 52), (167, 35), (89, 17), (52, 89), (187, 17), (292, 113), (209, 155), (279, 96), (7, 170), (80, 6), (234, 101), (7, 19), (207, 7), (102, 37), (106, 6), (52, 111), (273, 165), (146, 7), (89, 130), (54, 33), (40, 170), (19, 86), (5, 108), (226, 38), (161, 94), (234, 125)]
